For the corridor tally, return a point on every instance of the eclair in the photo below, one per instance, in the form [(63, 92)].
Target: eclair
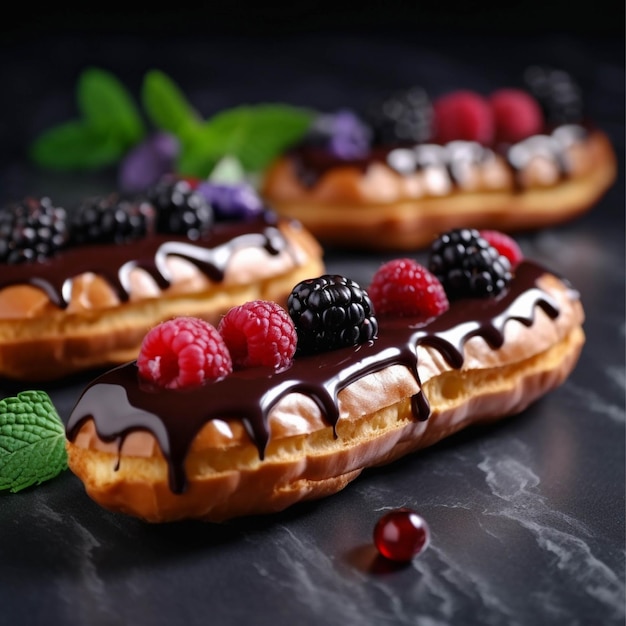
[(360, 378), (394, 175), (80, 289)]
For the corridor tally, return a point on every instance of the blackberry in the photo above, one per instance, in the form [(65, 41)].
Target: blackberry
[(180, 209), (468, 266), (32, 230), (111, 219), (331, 312), (559, 96), (402, 118)]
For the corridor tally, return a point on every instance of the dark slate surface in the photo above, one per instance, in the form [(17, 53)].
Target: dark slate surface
[(527, 516)]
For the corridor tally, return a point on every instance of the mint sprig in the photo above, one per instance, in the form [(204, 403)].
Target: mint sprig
[(110, 125), (253, 134), (32, 441)]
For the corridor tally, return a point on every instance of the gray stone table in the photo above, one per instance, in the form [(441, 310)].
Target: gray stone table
[(527, 516)]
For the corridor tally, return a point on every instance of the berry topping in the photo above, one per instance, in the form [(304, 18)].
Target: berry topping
[(517, 115), (148, 162), (183, 352), (558, 94), (111, 219), (331, 312), (463, 115), (259, 333), (32, 230), (343, 133), (404, 287), (402, 534), (232, 202), (404, 117), (180, 209), (468, 266), (504, 245)]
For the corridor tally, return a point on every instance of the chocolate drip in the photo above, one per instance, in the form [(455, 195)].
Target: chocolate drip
[(119, 403), (210, 254), (313, 162)]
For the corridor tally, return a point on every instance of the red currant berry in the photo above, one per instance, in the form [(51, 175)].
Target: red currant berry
[(401, 535)]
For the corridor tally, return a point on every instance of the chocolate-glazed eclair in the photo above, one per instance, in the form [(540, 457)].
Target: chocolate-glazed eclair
[(259, 439), (84, 290), (391, 179)]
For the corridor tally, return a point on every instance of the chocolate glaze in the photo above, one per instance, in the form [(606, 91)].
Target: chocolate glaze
[(210, 255), (120, 403), (312, 162)]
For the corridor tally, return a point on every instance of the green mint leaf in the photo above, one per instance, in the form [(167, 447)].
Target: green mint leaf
[(257, 134), (166, 105), (75, 145), (252, 134), (107, 105), (200, 152), (32, 441)]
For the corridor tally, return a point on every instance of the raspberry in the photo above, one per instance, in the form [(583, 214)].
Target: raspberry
[(467, 266), (183, 352), (404, 287), (504, 245), (463, 115), (516, 113), (331, 312), (259, 333)]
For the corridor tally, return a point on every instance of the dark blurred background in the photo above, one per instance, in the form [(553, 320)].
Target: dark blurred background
[(530, 16), (552, 530), (320, 54)]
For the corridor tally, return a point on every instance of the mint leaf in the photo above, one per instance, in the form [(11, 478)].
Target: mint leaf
[(252, 134), (32, 441), (75, 145), (106, 105), (256, 134), (200, 152), (166, 105)]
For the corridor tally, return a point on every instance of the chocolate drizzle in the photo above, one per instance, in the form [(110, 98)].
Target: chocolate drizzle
[(115, 263), (313, 162), (120, 403)]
